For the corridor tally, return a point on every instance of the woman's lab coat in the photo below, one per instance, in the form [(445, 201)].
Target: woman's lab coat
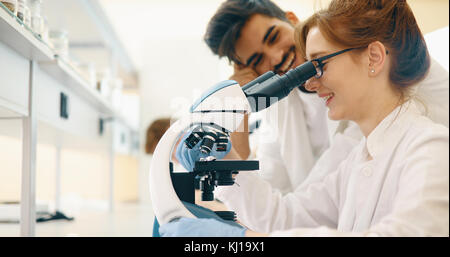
[(296, 132), (292, 136), (402, 191)]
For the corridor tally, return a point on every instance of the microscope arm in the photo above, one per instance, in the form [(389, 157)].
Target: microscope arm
[(166, 204)]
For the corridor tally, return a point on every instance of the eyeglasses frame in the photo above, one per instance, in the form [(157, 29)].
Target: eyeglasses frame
[(320, 63), (320, 60)]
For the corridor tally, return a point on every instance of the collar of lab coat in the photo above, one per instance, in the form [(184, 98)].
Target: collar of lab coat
[(390, 130)]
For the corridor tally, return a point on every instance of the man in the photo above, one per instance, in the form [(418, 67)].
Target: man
[(257, 36)]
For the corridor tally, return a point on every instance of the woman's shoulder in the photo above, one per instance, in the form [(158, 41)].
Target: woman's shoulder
[(424, 130), (424, 124)]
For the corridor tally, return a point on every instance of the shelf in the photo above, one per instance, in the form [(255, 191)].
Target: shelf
[(15, 37), (21, 39), (8, 111), (92, 38), (67, 76), (62, 72)]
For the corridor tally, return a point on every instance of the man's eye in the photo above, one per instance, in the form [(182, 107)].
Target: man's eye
[(274, 38), (258, 60)]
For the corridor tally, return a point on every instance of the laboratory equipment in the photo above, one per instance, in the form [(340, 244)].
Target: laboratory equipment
[(60, 42), (27, 16), (37, 22), (220, 109), (11, 5), (21, 4)]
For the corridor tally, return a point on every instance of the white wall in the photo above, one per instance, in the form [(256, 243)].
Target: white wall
[(437, 43)]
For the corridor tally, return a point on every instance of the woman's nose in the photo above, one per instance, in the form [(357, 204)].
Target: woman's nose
[(312, 84)]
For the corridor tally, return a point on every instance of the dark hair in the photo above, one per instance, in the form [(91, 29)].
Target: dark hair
[(350, 23), (225, 26), (154, 133)]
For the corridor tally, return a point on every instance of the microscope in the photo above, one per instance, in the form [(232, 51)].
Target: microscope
[(216, 114)]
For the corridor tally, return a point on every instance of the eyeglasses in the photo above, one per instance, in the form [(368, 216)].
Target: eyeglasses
[(318, 63)]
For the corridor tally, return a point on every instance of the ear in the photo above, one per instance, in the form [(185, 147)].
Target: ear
[(377, 58), (292, 17)]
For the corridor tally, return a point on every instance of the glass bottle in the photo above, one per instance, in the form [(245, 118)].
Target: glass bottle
[(37, 23), (45, 30), (60, 42), (11, 5), (21, 4), (27, 16)]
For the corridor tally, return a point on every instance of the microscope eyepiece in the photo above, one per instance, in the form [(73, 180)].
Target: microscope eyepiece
[(270, 88)]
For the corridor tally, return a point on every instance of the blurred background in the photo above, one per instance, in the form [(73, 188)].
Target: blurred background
[(136, 61)]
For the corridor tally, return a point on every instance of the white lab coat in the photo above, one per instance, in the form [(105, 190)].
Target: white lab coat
[(292, 136), (402, 191), (296, 132)]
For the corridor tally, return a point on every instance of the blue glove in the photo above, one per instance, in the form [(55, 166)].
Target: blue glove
[(187, 157), (189, 227)]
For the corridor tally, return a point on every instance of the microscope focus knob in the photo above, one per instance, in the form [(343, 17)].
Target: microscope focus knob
[(226, 215)]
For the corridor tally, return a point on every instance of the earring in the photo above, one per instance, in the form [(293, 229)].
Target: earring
[(372, 70)]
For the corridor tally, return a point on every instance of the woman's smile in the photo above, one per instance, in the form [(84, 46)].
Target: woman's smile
[(327, 97)]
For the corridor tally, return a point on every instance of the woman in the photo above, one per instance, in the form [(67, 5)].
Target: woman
[(368, 54)]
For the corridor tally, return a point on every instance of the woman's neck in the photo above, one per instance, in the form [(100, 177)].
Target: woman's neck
[(378, 110)]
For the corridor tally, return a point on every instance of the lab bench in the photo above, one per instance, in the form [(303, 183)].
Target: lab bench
[(46, 92)]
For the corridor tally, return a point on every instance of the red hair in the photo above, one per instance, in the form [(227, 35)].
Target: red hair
[(351, 23)]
